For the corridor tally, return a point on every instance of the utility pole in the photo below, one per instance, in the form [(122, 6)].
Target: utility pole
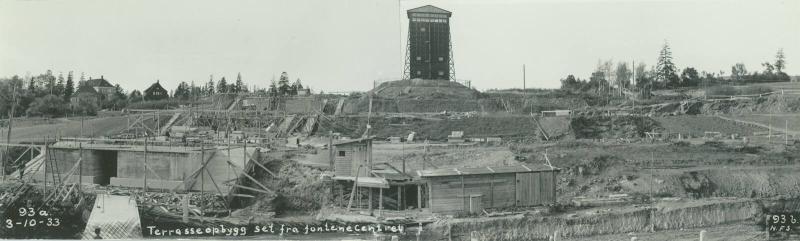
[(145, 164), (10, 122), (523, 77)]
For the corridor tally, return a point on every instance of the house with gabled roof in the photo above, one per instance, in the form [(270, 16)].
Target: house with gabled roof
[(101, 86), (156, 92)]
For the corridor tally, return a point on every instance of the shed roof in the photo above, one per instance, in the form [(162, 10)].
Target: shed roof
[(375, 182), (429, 9), (486, 170), (352, 141)]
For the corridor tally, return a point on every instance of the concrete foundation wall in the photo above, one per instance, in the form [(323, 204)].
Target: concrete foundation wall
[(91, 164), (166, 165), (168, 168)]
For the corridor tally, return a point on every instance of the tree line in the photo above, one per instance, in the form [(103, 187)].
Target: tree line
[(611, 78), (48, 95)]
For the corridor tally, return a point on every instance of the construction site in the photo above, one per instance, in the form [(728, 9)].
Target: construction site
[(426, 152)]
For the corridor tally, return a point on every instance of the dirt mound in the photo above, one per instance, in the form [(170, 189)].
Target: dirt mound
[(697, 126), (506, 127), (424, 89), (612, 127), (298, 187)]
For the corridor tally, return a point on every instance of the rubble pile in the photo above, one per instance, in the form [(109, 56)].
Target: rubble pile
[(199, 203)]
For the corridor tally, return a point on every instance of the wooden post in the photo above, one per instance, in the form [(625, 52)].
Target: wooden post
[(341, 195), (380, 202), (430, 196), (399, 198), (463, 194), (369, 189), (185, 203), (80, 168), (355, 186), (419, 196), (330, 149), (10, 123), (491, 191), (145, 164)]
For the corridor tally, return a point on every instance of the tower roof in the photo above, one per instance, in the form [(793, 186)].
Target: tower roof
[(429, 9)]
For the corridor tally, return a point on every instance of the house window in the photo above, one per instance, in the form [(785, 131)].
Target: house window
[(341, 153), (419, 58), (422, 29), (441, 59), (441, 72), (419, 72)]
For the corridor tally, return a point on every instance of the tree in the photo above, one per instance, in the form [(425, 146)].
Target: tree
[(738, 71), (182, 92), (50, 82), (273, 90), (570, 83), (641, 73), (597, 82), (135, 96), (238, 87), (296, 86), (768, 68), (623, 75), (69, 88), (58, 90), (48, 106), (86, 107), (210, 86), (780, 62), (283, 84), (690, 77), (666, 73), (222, 86)]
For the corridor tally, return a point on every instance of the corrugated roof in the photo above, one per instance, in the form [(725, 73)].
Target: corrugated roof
[(429, 9), (485, 170), (351, 141), (375, 182)]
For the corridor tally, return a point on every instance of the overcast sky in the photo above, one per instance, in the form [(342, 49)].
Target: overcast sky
[(338, 45)]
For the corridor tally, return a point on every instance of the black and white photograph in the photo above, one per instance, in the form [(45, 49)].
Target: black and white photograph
[(389, 120)]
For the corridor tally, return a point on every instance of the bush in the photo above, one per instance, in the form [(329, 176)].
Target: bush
[(48, 106)]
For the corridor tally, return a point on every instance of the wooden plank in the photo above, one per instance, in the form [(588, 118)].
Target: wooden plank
[(249, 177), (259, 164), (249, 188)]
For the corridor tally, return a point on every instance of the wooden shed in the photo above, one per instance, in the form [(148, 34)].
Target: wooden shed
[(348, 155), (457, 190)]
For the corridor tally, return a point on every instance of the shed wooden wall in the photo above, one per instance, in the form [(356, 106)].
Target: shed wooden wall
[(535, 188), (347, 165), (449, 194)]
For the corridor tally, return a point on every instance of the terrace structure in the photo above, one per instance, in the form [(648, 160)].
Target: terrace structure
[(149, 166)]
